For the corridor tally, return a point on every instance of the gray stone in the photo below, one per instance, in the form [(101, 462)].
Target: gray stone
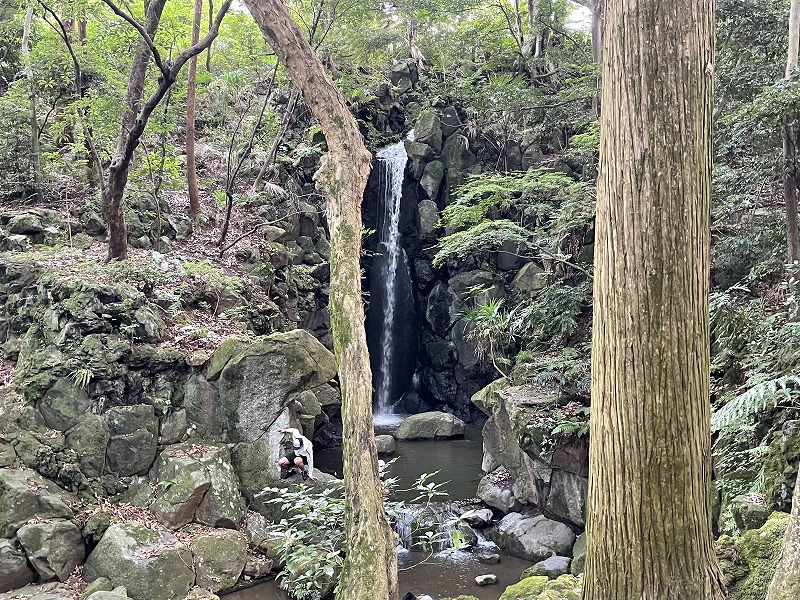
[(484, 580), (181, 225), (438, 313), (498, 494), (509, 256), (442, 355), (25, 224), (183, 482), (451, 122), (25, 495), (567, 499), (532, 538), (63, 405), (257, 568), (134, 439), (456, 154), (219, 558), (428, 129), (14, 570), (101, 584), (173, 427), (430, 425), (419, 155), (477, 286), (201, 401), (54, 548), (477, 517), (427, 217), (150, 564), (552, 567), (431, 180), (531, 157), (529, 281), (308, 403), (400, 76), (223, 505), (327, 395), (749, 511), (41, 591), (7, 455), (385, 444), (578, 555), (89, 439)]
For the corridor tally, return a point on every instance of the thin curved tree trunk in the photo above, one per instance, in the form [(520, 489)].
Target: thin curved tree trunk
[(649, 509), (790, 142), (370, 568), (785, 584), (191, 97)]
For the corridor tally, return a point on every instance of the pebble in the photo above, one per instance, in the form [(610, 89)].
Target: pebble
[(483, 580)]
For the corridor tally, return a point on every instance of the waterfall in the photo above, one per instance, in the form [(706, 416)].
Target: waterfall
[(392, 163)]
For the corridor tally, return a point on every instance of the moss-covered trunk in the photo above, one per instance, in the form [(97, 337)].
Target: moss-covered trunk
[(785, 583), (370, 569), (649, 512)]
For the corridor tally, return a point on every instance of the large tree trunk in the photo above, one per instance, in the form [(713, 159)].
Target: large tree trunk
[(649, 510), (113, 206), (790, 142), (785, 584), (370, 569), (191, 168), (36, 151)]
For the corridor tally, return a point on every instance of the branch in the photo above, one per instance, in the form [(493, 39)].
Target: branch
[(255, 229), (138, 27)]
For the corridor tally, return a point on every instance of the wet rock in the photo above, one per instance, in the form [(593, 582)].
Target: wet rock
[(478, 517), (219, 558), (24, 495), (150, 564), (430, 425), (54, 548), (552, 567), (456, 154), (14, 570), (497, 491), (419, 155), (484, 580), (450, 120), (532, 538), (438, 313), (385, 444), (257, 568)]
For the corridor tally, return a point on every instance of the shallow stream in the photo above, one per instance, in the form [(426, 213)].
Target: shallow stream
[(459, 465)]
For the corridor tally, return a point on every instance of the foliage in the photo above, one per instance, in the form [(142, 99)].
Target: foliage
[(478, 240), (756, 399)]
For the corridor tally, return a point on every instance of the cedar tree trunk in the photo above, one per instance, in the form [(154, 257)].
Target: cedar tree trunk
[(790, 142), (191, 94), (785, 584), (370, 568), (649, 509)]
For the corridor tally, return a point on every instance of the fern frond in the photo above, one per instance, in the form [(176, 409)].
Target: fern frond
[(758, 399)]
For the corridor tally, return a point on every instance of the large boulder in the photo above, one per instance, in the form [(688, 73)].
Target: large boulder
[(431, 180), (54, 548), (89, 438), (533, 538), (578, 555), (428, 129), (183, 482), (223, 504), (64, 405), (25, 495), (257, 383), (429, 426), (14, 570), (567, 498), (456, 154), (219, 558), (427, 217), (150, 564), (496, 490), (529, 281), (552, 567), (133, 441)]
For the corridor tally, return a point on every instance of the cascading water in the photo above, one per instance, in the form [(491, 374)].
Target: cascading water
[(392, 161)]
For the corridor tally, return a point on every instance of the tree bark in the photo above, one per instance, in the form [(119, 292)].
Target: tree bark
[(36, 151), (191, 167), (370, 567), (790, 142), (785, 584), (649, 508), (113, 208), (133, 124)]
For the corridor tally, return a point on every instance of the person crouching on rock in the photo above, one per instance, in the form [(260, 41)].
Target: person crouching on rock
[(301, 456), (413, 596)]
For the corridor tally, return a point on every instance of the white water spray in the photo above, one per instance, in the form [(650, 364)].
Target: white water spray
[(394, 160)]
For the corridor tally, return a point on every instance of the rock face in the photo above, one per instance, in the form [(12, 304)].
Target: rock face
[(151, 565), (518, 474), (430, 425), (533, 538)]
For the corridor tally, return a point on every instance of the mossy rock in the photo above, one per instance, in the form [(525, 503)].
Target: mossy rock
[(749, 562), (462, 597), (527, 589)]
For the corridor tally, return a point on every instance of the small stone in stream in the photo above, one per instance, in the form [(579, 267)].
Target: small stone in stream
[(483, 580), (488, 558)]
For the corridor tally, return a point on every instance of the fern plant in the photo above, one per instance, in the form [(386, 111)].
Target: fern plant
[(757, 399)]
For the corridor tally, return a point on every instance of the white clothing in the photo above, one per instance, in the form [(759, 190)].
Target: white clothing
[(302, 446)]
